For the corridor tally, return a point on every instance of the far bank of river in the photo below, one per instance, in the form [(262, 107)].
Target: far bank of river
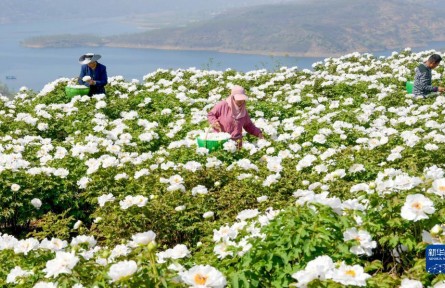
[(34, 68), (61, 44)]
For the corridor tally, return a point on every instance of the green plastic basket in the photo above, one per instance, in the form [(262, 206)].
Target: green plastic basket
[(409, 87), (72, 91), (212, 145)]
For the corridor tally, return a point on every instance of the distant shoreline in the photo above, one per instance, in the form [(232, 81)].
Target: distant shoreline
[(229, 51), (181, 48)]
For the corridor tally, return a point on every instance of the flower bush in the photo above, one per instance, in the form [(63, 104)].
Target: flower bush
[(112, 190)]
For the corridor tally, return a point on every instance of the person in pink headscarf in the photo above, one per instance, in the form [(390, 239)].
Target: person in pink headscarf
[(231, 116)]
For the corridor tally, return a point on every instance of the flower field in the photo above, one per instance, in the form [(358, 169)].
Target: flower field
[(346, 189)]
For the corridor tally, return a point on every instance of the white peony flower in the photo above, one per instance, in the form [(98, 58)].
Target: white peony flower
[(122, 270), (200, 189), (417, 207), (42, 284), (349, 275), (141, 173), (440, 284), (222, 250), (433, 172), (319, 138), (431, 147), (176, 267), (218, 136), (83, 182), (315, 269), (178, 252), (26, 245), (230, 146), (119, 250), (306, 162), (54, 244), (101, 104), (363, 237), (120, 176), (140, 200), (224, 234), (247, 214), (62, 264), (104, 199), (408, 283), (438, 187), (143, 238), (192, 166), (355, 168), (17, 271), (42, 126), (83, 239), (201, 276)]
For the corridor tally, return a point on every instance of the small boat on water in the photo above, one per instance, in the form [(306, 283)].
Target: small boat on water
[(10, 77)]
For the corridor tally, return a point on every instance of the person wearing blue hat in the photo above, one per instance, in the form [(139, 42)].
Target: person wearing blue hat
[(93, 74)]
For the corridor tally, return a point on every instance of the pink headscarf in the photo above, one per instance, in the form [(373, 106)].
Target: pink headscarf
[(237, 112)]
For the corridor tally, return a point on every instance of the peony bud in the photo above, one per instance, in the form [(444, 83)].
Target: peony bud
[(151, 246), (77, 224), (36, 203), (261, 199), (180, 208), (208, 214), (15, 187), (437, 229)]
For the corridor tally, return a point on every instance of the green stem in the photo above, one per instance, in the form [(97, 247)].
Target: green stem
[(152, 258)]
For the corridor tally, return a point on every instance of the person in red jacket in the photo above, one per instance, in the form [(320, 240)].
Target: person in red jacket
[(231, 116)]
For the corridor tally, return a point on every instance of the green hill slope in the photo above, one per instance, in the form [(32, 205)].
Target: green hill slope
[(311, 28)]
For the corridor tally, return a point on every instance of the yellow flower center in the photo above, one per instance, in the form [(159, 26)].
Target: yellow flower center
[(200, 279), (441, 188), (350, 273), (416, 205)]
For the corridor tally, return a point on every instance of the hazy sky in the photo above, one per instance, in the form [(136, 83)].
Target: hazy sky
[(31, 10)]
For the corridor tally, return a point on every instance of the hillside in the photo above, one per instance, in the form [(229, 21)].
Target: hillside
[(308, 28)]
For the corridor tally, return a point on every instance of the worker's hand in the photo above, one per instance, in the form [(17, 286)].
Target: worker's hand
[(92, 82), (441, 89), (217, 126), (261, 136)]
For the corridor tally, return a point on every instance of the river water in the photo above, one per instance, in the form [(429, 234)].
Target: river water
[(33, 68)]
